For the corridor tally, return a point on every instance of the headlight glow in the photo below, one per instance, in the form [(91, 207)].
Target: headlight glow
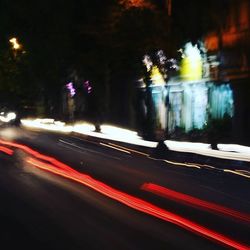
[(11, 116)]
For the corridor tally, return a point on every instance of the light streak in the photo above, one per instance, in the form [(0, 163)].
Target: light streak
[(131, 137), (234, 148), (240, 152), (6, 150), (189, 165), (107, 131), (37, 155), (116, 134), (237, 172), (117, 131), (129, 149), (183, 164), (187, 199), (138, 204), (47, 124), (113, 147), (243, 171), (202, 150)]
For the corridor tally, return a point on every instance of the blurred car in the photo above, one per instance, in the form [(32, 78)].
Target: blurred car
[(9, 117)]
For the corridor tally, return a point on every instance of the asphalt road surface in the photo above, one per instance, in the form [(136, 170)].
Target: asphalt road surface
[(96, 195)]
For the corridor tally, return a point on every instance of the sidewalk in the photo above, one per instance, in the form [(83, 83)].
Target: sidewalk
[(192, 152)]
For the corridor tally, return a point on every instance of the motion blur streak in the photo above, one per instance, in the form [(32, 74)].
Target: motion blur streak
[(116, 148), (189, 165), (135, 203), (6, 150), (129, 149), (138, 204), (37, 154), (237, 172), (183, 164), (187, 199)]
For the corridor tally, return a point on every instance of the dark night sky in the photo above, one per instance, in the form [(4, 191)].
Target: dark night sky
[(72, 27), (30, 18), (63, 31), (68, 26)]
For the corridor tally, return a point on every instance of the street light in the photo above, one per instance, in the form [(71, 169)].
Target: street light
[(15, 44)]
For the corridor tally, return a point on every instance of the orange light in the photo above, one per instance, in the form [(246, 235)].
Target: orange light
[(6, 150), (136, 4), (15, 43)]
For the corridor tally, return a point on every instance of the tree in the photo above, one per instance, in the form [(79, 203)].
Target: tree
[(134, 30), (92, 37)]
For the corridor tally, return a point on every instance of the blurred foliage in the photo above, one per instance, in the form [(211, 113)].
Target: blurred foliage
[(16, 87), (219, 129)]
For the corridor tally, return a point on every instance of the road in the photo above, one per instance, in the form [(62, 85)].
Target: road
[(95, 195)]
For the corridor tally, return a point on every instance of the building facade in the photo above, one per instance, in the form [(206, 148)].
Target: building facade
[(230, 45)]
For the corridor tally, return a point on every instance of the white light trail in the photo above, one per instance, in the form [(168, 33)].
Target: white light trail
[(226, 151)]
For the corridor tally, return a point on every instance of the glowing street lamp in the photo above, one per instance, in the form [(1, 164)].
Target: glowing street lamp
[(15, 44)]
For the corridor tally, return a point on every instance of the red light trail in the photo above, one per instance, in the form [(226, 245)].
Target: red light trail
[(187, 199), (6, 150), (138, 204)]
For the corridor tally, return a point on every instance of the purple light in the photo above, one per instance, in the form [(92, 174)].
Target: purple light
[(87, 87), (71, 89)]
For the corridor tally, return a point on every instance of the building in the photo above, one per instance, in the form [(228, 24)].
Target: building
[(230, 45), (210, 89)]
